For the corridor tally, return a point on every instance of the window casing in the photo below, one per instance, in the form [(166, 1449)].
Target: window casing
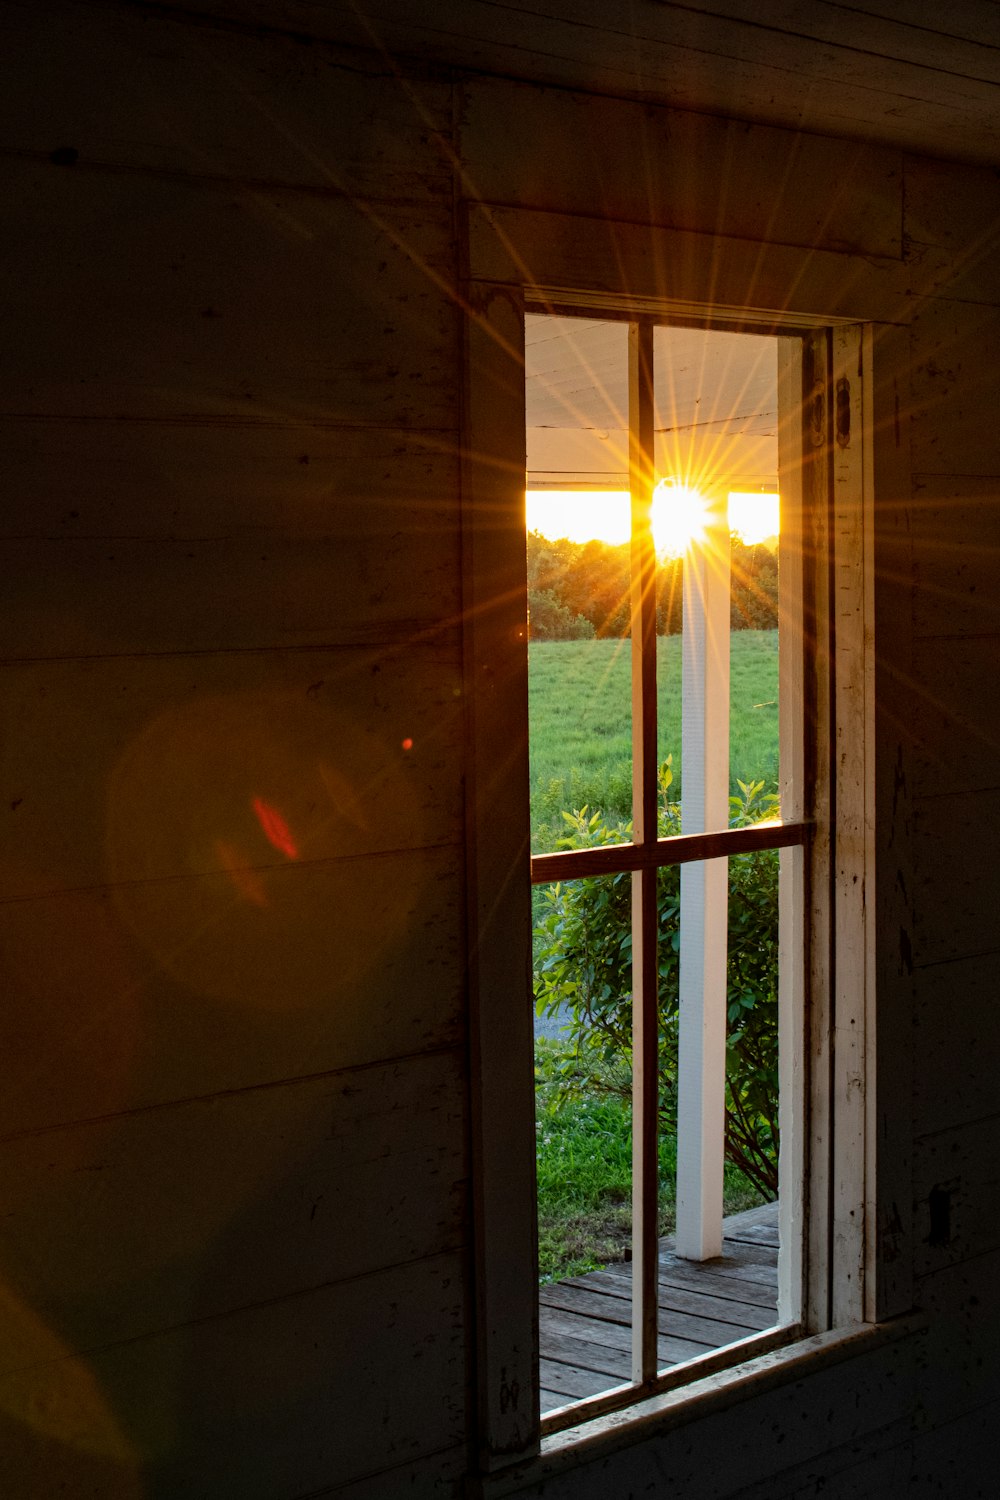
[(826, 1015)]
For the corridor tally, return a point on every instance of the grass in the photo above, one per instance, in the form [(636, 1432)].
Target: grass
[(584, 1163), (581, 722), (580, 716)]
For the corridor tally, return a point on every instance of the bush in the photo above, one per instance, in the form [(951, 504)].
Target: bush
[(550, 620), (583, 954)]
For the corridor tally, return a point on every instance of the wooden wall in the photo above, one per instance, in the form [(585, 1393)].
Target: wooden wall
[(234, 1242), (233, 1169)]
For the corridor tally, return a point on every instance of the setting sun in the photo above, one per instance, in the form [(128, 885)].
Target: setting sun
[(678, 515)]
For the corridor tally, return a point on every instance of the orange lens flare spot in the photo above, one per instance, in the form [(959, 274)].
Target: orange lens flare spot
[(276, 830), (246, 881), (407, 743)]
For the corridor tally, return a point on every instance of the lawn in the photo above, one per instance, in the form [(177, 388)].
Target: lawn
[(581, 722), (580, 717), (583, 1149)]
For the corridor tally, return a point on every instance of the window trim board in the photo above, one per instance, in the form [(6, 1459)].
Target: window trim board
[(492, 499)]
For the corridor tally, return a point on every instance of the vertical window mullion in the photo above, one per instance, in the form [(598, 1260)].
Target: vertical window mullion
[(645, 1085)]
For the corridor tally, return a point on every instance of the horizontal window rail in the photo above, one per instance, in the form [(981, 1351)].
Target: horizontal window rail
[(680, 849)]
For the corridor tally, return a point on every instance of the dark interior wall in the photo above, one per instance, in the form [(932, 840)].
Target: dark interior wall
[(233, 1164), (234, 1119)]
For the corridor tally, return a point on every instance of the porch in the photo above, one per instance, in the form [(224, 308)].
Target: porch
[(585, 1322)]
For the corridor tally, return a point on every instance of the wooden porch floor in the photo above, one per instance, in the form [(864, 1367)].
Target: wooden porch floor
[(586, 1321)]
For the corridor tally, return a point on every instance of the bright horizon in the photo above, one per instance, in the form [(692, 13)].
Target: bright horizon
[(605, 515)]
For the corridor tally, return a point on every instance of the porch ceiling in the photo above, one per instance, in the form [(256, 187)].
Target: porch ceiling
[(911, 73)]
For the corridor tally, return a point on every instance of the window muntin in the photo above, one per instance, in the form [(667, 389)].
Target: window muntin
[(705, 841)]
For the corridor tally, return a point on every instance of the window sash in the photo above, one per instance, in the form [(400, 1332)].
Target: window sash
[(499, 910)]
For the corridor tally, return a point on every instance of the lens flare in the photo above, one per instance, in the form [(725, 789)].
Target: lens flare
[(276, 830), (679, 517)]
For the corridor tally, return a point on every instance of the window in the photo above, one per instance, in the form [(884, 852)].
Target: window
[(633, 403), (824, 834)]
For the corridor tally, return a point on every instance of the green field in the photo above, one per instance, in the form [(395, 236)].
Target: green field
[(584, 1163), (581, 722)]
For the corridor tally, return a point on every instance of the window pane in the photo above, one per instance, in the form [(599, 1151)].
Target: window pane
[(753, 724), (584, 1135), (580, 742), (706, 1304), (576, 392), (716, 456)]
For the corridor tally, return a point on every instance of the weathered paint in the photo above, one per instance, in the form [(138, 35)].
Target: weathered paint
[(231, 394)]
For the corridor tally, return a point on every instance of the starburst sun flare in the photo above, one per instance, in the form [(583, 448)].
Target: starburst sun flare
[(679, 513)]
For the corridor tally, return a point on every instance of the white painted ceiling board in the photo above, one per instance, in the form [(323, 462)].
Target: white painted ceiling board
[(716, 403)]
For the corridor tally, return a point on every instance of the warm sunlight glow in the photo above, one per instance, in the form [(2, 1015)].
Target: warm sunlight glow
[(679, 513), (580, 515), (753, 516)]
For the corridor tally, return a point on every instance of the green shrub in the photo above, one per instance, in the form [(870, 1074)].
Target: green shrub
[(550, 620), (583, 955)]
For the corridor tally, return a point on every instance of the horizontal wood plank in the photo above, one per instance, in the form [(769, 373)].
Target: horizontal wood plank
[(129, 771), (121, 1001), (956, 552), (952, 389), (126, 597), (956, 1191), (571, 254), (125, 1227), (152, 91), (231, 287), (954, 724), (957, 1369), (534, 148), (952, 225), (702, 1302), (801, 70), (954, 843), (957, 1458), (236, 479), (275, 1399), (956, 1053)]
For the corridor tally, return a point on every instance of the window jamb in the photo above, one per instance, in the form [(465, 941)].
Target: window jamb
[(821, 1268)]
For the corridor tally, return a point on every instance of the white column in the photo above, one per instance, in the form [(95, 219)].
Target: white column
[(704, 893)]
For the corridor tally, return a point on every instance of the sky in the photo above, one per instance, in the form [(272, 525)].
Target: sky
[(677, 515)]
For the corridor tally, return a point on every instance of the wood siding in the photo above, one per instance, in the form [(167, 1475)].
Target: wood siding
[(236, 1125)]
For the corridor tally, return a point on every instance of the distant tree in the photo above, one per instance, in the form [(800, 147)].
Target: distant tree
[(574, 582), (550, 620), (754, 587)]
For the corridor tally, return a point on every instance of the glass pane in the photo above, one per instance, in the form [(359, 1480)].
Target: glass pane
[(583, 1076), (576, 391), (708, 1303), (716, 456)]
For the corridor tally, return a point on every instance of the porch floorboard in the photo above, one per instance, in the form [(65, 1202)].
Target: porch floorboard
[(585, 1321)]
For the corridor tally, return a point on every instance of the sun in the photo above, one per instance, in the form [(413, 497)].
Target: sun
[(680, 514)]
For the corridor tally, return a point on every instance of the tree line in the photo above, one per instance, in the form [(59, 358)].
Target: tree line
[(580, 590)]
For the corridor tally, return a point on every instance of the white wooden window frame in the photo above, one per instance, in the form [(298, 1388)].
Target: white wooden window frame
[(829, 1034)]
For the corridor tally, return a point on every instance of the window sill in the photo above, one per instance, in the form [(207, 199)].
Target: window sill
[(602, 1437)]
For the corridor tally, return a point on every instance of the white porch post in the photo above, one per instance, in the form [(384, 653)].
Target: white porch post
[(704, 893)]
